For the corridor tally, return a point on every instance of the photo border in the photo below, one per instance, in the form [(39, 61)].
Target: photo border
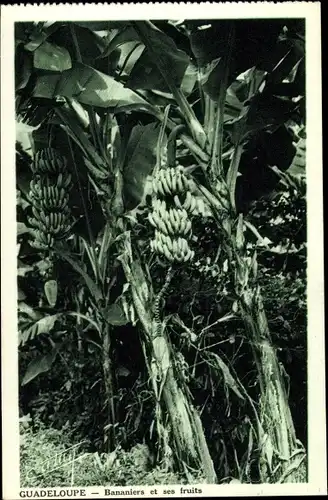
[(316, 341)]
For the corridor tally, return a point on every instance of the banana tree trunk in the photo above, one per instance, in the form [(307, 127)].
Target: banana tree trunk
[(109, 435), (189, 443), (282, 455)]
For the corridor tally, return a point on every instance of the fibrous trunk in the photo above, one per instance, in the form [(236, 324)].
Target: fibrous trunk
[(188, 443), (109, 436), (282, 455)]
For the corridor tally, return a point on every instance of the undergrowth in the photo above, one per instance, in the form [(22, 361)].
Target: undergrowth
[(48, 460)]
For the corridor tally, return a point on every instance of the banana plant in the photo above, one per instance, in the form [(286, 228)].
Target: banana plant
[(282, 455), (226, 100)]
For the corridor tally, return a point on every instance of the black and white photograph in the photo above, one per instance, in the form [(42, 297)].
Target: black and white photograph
[(164, 253)]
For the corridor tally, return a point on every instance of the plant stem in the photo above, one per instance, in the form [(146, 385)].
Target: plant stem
[(216, 156), (90, 233)]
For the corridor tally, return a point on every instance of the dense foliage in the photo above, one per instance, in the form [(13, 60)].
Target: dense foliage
[(101, 108)]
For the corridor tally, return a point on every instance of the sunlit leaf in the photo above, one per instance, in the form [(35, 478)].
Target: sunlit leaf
[(87, 86), (42, 326), (23, 269), (123, 36), (51, 290), (39, 365), (52, 58), (298, 166), (24, 308)]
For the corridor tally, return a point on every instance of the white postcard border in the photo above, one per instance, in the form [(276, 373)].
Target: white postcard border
[(316, 344)]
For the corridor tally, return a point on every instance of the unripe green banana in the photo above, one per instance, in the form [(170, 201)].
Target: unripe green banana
[(63, 180), (165, 185), (154, 186), (169, 224), (52, 219), (175, 248), (171, 221), (36, 213), (168, 253), (151, 219), (159, 246), (192, 204), (177, 201), (49, 161), (59, 181), (180, 186), (187, 203), (159, 222)]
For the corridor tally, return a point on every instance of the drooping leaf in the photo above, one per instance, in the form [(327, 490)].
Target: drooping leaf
[(173, 61), (115, 316), (87, 86), (43, 325), (87, 319), (51, 290), (139, 162), (129, 54), (39, 365), (128, 34), (218, 363), (263, 112), (23, 68), (51, 57), (90, 44), (254, 44), (93, 288)]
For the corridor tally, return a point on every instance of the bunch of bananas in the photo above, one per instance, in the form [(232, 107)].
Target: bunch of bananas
[(195, 205), (172, 221), (174, 249), (170, 181), (170, 216), (48, 161), (49, 197)]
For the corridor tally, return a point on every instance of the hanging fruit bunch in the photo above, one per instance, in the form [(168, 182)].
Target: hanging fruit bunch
[(173, 204), (49, 197)]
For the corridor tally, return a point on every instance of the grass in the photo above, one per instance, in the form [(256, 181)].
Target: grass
[(48, 460)]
